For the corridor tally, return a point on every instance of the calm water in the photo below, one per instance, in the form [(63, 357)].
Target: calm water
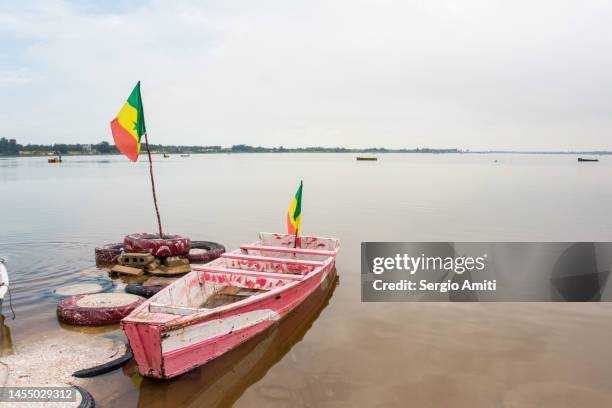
[(335, 351)]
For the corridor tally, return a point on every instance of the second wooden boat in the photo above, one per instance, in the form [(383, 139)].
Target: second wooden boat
[(4, 281), (582, 159), (220, 305)]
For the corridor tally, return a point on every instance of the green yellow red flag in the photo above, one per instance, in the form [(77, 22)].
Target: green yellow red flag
[(129, 125), (294, 215)]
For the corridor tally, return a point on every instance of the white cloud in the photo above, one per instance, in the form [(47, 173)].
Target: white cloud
[(18, 76), (474, 74)]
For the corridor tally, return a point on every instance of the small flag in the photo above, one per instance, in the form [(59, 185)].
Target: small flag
[(129, 126), (294, 215)]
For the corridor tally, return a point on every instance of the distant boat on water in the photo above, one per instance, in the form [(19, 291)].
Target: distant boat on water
[(166, 155), (367, 158), (584, 159)]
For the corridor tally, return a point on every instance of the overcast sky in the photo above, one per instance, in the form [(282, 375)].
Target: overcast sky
[(478, 74)]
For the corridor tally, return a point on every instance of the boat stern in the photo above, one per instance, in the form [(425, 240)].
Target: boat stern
[(145, 342)]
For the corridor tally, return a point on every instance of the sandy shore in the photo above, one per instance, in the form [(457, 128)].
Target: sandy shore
[(52, 360)]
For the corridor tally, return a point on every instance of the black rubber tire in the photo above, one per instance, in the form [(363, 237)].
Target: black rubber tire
[(144, 291), (108, 254), (106, 367), (87, 400), (214, 250)]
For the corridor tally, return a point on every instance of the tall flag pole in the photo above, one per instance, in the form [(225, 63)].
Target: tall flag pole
[(127, 129), (294, 215)]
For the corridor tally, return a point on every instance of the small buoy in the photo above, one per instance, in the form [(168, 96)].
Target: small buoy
[(79, 289), (98, 309)]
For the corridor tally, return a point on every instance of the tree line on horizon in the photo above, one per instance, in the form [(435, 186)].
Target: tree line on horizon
[(12, 148)]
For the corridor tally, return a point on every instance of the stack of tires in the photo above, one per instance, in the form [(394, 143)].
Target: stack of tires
[(81, 305), (171, 245)]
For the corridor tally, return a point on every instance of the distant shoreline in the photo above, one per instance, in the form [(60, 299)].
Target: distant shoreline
[(11, 148), (347, 151)]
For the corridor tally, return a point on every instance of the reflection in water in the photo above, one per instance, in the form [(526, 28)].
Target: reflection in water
[(222, 381), (6, 341), (385, 354)]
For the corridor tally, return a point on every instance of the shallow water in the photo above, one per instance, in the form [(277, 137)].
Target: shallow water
[(338, 351)]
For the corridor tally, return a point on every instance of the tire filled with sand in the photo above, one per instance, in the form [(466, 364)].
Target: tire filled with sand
[(98, 309)]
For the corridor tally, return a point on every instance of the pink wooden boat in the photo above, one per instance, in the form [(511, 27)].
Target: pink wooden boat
[(220, 305)]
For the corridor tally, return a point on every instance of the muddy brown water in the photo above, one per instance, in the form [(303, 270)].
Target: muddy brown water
[(334, 351)]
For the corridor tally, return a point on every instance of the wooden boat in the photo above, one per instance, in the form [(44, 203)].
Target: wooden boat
[(367, 158), (54, 160), (166, 155), (4, 281), (582, 159), (222, 304), (220, 382)]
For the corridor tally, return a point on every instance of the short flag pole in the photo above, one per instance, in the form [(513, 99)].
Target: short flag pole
[(294, 215)]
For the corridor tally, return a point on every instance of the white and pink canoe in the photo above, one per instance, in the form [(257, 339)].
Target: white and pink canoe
[(222, 304)]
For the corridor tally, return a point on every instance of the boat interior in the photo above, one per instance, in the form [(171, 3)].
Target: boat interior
[(252, 270)]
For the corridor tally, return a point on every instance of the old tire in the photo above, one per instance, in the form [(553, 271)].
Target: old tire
[(144, 242), (144, 291), (98, 309), (204, 251), (87, 400), (106, 367), (108, 254)]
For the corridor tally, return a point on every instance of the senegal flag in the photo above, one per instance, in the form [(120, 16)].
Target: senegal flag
[(294, 215), (129, 126)]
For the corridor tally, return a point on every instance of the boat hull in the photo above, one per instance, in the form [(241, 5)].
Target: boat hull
[(168, 350), (4, 282)]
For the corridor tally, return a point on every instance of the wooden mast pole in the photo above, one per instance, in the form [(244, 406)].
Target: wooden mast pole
[(159, 225), (161, 234)]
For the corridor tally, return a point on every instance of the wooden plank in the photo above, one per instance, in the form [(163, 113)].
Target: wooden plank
[(159, 281), (163, 270), (228, 290), (271, 259), (173, 309), (282, 276), (288, 250), (127, 270), (152, 266), (171, 261)]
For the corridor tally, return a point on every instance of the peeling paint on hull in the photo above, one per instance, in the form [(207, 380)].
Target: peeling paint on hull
[(168, 344)]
